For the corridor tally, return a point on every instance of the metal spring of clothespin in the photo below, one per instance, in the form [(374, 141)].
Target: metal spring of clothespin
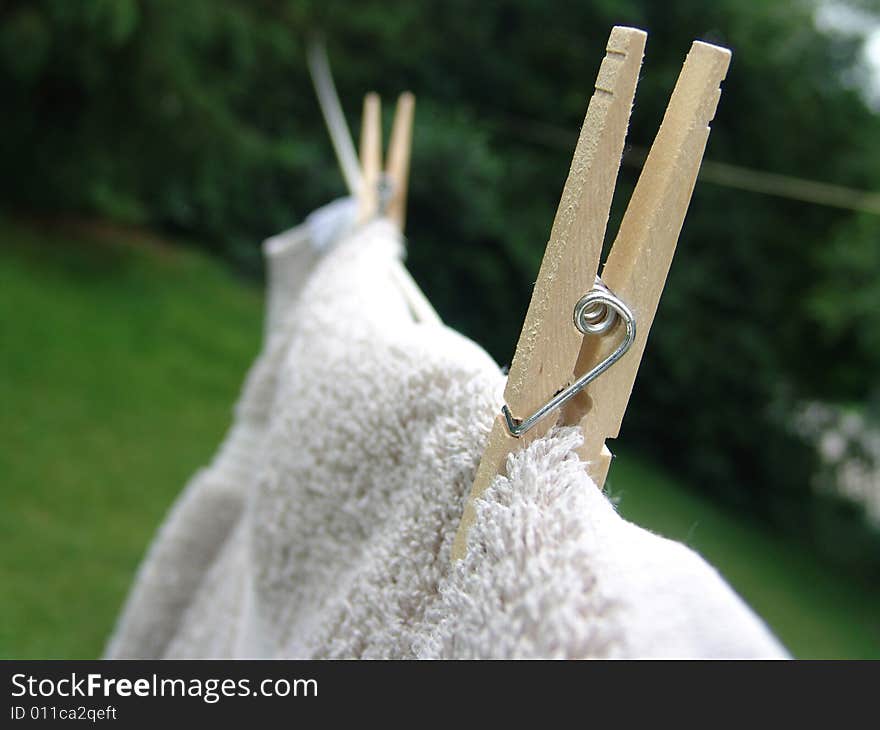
[(595, 313), (385, 193)]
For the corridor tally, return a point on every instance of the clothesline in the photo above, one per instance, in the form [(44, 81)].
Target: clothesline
[(717, 173)]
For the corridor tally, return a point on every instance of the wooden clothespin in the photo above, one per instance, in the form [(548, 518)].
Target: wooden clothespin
[(376, 193), (580, 330), (385, 193)]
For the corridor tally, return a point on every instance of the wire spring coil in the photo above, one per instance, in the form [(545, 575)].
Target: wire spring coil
[(595, 313)]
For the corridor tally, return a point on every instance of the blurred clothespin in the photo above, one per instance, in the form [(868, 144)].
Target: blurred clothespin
[(384, 193), (377, 193), (584, 336)]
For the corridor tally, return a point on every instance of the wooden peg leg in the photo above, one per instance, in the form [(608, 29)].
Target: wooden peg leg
[(371, 157), (642, 253), (399, 150)]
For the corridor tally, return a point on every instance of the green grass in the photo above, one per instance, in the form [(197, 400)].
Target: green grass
[(118, 367), (120, 358)]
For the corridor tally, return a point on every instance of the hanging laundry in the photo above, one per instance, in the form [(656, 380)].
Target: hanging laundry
[(343, 548), (211, 503), (373, 417)]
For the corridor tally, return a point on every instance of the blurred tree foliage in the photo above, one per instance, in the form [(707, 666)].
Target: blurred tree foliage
[(199, 117)]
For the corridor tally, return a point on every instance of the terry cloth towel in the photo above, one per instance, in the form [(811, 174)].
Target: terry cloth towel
[(344, 547), (211, 503)]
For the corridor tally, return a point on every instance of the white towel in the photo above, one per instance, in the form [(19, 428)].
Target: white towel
[(211, 504), (344, 547)]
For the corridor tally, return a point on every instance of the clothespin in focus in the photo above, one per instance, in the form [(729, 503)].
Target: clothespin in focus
[(585, 333)]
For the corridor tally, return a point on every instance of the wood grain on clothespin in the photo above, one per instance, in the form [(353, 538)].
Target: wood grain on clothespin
[(397, 163), (371, 157), (551, 352)]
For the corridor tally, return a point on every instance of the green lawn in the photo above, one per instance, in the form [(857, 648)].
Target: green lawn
[(119, 366), (121, 358)]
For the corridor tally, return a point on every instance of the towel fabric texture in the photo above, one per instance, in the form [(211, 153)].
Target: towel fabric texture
[(212, 502), (334, 541)]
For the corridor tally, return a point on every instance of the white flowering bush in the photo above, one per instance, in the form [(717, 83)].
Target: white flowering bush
[(848, 446)]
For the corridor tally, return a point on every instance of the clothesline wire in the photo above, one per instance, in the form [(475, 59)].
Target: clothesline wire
[(716, 173), (723, 174), (328, 100)]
